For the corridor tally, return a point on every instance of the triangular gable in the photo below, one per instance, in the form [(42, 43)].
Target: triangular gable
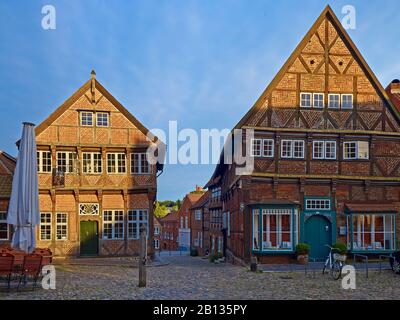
[(310, 49)]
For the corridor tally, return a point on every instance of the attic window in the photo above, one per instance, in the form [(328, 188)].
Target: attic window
[(86, 118), (102, 119)]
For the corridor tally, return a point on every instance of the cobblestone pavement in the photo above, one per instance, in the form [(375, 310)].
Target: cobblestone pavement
[(195, 278)]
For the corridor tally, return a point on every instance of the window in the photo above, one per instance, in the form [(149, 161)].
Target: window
[(181, 222), (116, 163), (66, 161), (274, 230), (372, 232), (61, 226), (318, 204), (156, 230), (268, 148), (220, 241), (137, 219), (347, 101), (186, 222), (216, 193), (305, 100), (256, 147), (44, 161), (86, 118), (92, 162), (334, 101), (292, 149), (156, 244), (324, 150), (113, 224), (318, 100), (139, 163), (356, 150), (45, 226), (4, 230), (102, 119), (197, 214)]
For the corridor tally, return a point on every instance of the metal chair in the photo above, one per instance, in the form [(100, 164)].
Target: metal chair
[(31, 268), (6, 267)]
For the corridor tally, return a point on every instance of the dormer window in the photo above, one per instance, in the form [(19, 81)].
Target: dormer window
[(86, 118), (305, 100)]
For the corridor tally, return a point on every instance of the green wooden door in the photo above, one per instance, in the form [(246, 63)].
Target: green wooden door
[(318, 235), (89, 238)]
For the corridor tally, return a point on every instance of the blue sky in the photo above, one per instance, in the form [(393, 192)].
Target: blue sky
[(202, 63)]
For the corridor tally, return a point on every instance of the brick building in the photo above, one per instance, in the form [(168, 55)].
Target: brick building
[(7, 167), (170, 231), (184, 217), (199, 225), (326, 154), (96, 186), (157, 226)]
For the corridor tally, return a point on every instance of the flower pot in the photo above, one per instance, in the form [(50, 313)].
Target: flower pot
[(302, 258)]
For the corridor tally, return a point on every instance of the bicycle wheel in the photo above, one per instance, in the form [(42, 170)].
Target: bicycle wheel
[(326, 264), (336, 270)]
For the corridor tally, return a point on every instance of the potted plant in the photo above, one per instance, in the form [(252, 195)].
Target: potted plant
[(341, 251), (302, 251)]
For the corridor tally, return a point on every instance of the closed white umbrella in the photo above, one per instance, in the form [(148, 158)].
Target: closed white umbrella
[(23, 211)]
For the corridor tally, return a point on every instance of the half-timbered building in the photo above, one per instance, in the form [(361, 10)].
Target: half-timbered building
[(326, 151), (96, 185)]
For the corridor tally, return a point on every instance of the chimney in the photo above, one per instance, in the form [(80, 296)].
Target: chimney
[(198, 188), (395, 86)]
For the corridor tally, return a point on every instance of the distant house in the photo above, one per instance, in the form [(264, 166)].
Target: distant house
[(157, 233), (199, 225), (7, 167), (170, 231), (393, 91), (184, 217)]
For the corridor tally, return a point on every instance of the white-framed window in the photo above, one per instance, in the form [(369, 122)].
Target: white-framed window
[(256, 147), (4, 229), (347, 101), (92, 162), (116, 163), (66, 161), (45, 226), (88, 209), (156, 244), (186, 222), (181, 222), (86, 118), (333, 101), (139, 163), (305, 100), (156, 230), (113, 224), (197, 214), (136, 219), (324, 150), (356, 150), (318, 100), (61, 226), (43, 161), (318, 204), (292, 149), (102, 119), (268, 148)]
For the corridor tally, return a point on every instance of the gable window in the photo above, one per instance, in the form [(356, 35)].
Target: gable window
[(137, 219), (116, 163), (45, 226), (292, 149), (91, 162), (139, 163), (43, 161), (197, 214), (318, 204), (318, 100), (4, 230), (347, 101), (268, 148), (305, 100), (86, 118), (334, 101), (102, 119), (256, 147), (61, 226), (356, 150), (113, 224), (66, 161), (324, 150)]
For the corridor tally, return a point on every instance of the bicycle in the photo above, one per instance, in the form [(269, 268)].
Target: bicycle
[(335, 263)]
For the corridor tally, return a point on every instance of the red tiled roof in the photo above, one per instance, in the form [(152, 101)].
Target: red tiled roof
[(372, 207), (194, 197), (7, 167), (172, 216), (394, 97), (202, 201)]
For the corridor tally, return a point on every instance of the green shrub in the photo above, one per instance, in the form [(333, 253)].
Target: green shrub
[(194, 252), (215, 256), (302, 248), (341, 247)]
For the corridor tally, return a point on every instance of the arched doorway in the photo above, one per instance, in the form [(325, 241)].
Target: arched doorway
[(318, 234)]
